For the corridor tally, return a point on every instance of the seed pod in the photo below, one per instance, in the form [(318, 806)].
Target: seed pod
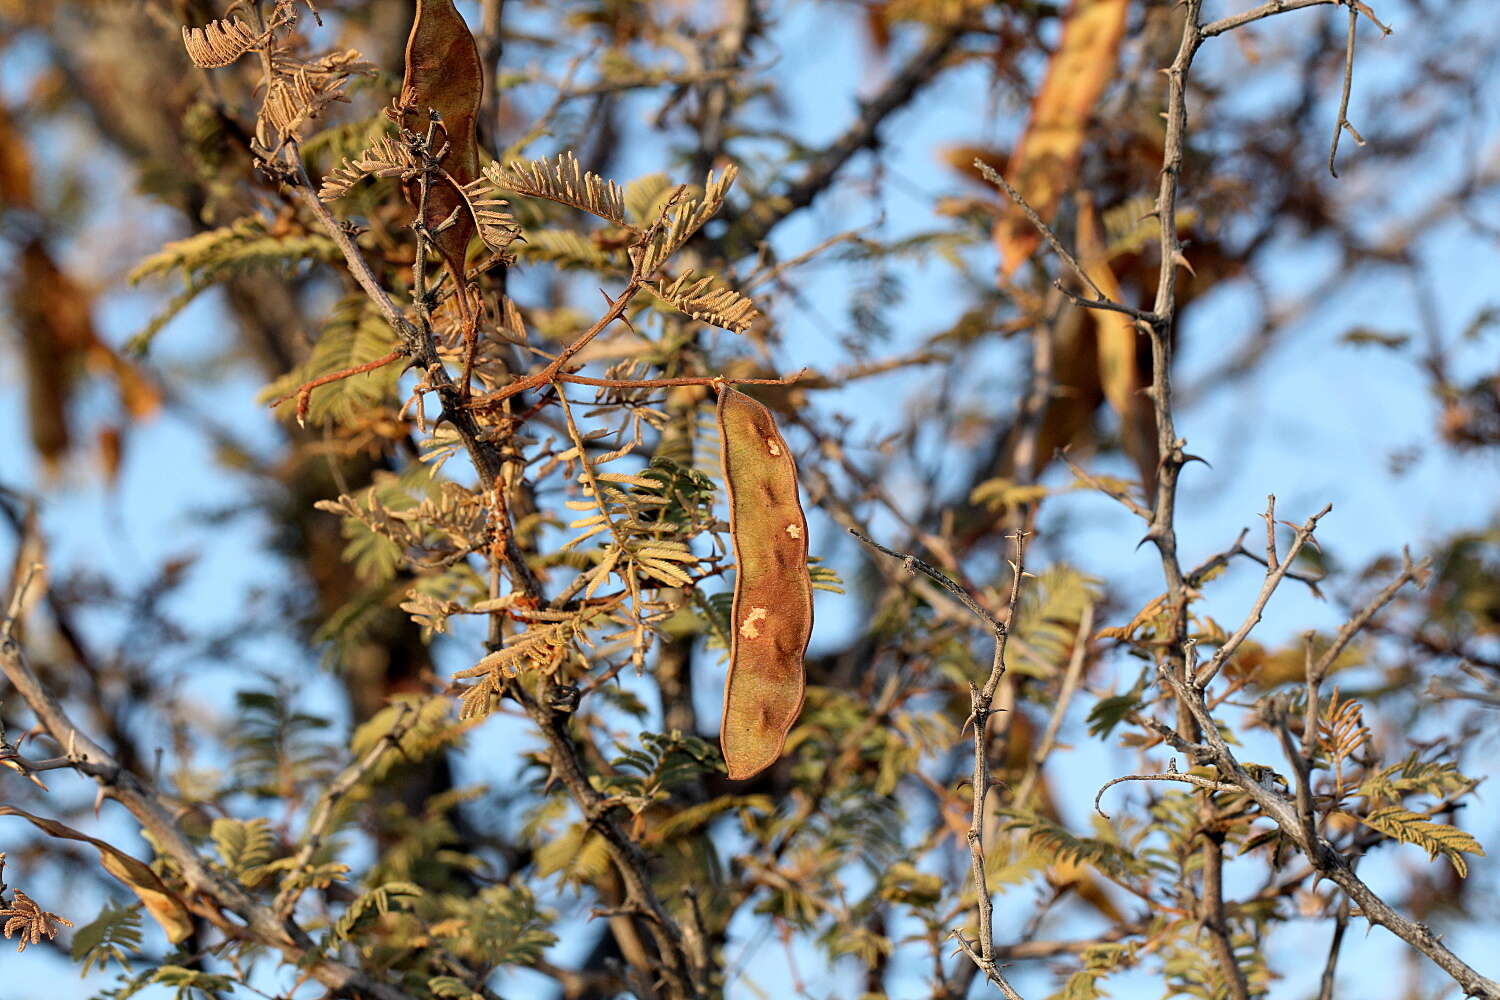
[(443, 73), (772, 618)]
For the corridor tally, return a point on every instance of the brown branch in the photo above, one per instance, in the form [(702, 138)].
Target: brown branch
[(1265, 10), (1173, 665), (1121, 497), (136, 795), (304, 391), (1330, 965), (1208, 784), (665, 383), (1195, 576), (914, 565), (1273, 7), (488, 462), (1410, 573), (1100, 300), (641, 900), (551, 372), (1326, 859), (1343, 119), (1212, 914), (981, 702), (1277, 571), (1162, 528)]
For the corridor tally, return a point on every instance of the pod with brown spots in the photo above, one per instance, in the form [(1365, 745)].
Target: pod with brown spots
[(772, 589)]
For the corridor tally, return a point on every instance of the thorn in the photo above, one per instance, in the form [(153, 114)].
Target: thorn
[(1150, 536), (1178, 258)]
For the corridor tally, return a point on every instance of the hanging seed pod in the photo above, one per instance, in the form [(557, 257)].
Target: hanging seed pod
[(443, 73), (773, 613)]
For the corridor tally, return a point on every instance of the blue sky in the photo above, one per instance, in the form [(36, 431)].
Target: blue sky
[(1318, 422)]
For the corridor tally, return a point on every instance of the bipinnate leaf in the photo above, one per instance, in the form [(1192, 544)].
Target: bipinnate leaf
[(113, 936), (1435, 838), (706, 300), (219, 43), (683, 220), (773, 611), (385, 157), (22, 917), (497, 229), (300, 91), (564, 181)]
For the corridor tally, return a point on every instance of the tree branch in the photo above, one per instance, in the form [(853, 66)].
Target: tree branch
[(981, 701), (115, 782)]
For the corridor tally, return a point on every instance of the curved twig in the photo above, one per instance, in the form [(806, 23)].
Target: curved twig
[(1187, 779)]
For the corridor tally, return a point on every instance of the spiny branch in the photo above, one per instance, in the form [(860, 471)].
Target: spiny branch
[(981, 701)]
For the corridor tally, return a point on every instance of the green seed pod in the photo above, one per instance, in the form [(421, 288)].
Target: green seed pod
[(773, 611)]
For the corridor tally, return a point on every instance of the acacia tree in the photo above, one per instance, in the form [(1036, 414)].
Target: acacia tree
[(508, 517)]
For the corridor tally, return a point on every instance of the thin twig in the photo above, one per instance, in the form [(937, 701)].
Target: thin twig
[(1211, 911), (1411, 572), (915, 565), (1330, 965), (1343, 119), (1100, 300), (304, 392), (666, 383), (1273, 7), (1207, 784), (1274, 575), (981, 701), (550, 373), (1120, 496), (18, 601), (1265, 10)]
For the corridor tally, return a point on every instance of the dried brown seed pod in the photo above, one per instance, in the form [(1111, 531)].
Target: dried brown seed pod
[(443, 74), (773, 612)]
